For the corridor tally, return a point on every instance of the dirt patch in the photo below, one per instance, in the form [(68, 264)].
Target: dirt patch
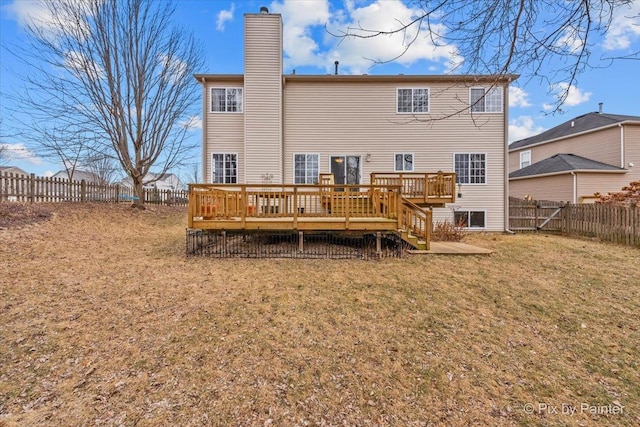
[(104, 321), (17, 214)]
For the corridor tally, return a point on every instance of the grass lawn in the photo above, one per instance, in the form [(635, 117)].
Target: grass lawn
[(103, 321)]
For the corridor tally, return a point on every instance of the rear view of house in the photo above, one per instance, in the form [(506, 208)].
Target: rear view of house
[(592, 153), (263, 127)]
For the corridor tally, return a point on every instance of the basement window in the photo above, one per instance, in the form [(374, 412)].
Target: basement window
[(470, 219)]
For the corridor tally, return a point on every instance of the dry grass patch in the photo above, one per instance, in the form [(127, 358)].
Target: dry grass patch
[(104, 321)]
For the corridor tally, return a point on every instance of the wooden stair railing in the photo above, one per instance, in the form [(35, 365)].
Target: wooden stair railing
[(416, 225)]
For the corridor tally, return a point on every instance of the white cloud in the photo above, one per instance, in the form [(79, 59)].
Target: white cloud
[(224, 16), (21, 152), (299, 19), (522, 127), (25, 12), (356, 55), (575, 96), (39, 14), (192, 123), (571, 41), (625, 27), (518, 97)]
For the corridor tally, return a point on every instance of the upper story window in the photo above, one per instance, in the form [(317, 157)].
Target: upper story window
[(525, 158), (485, 100), (305, 168), (470, 168), (226, 100), (403, 162), (413, 100)]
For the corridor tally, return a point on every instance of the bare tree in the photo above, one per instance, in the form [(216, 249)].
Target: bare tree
[(103, 167), (4, 148), (502, 37), (119, 71), (194, 173)]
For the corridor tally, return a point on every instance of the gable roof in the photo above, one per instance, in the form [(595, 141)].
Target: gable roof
[(564, 163), (78, 175), (12, 169), (576, 125)]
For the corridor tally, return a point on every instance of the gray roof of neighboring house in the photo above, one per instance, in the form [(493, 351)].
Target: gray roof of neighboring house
[(564, 163), (582, 123), (78, 175)]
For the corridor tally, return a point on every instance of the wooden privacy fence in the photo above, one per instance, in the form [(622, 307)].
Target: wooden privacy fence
[(37, 189), (618, 224)]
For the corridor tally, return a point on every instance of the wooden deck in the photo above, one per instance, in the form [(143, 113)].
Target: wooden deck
[(380, 207)]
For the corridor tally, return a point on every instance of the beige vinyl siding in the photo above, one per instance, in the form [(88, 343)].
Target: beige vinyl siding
[(592, 182), (514, 160), (602, 146), (359, 118), (223, 131), (263, 98), (558, 188), (632, 152)]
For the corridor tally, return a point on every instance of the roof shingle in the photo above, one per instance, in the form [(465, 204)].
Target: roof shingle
[(564, 163), (578, 124)]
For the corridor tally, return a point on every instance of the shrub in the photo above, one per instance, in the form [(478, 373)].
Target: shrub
[(447, 231)]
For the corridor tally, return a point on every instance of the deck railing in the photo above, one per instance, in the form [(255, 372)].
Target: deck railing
[(416, 221), (244, 201), (439, 187)]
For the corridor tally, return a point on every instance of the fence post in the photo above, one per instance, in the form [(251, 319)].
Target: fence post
[(32, 182), (634, 217)]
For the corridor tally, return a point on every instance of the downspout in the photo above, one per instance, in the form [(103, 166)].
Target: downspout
[(621, 145), (505, 108), (575, 188), (282, 133), (204, 130)]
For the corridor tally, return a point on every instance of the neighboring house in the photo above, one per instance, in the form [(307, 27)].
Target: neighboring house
[(153, 181), (9, 185), (266, 127), (78, 175), (13, 170), (595, 152)]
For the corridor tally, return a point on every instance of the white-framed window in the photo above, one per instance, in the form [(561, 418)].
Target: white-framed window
[(470, 168), (485, 100), (403, 162), (413, 100), (305, 168), (525, 158), (224, 168), (226, 100), (468, 218)]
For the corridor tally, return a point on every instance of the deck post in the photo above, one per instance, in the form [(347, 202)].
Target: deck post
[(378, 243), (244, 205), (300, 241), (295, 208), (224, 243)]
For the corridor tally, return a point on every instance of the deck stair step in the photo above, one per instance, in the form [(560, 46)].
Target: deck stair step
[(414, 241)]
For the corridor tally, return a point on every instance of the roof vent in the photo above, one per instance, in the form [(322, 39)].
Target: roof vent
[(264, 10), (600, 107), (337, 63), (573, 123)]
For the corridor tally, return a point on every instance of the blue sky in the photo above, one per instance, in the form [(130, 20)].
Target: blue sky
[(309, 49)]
